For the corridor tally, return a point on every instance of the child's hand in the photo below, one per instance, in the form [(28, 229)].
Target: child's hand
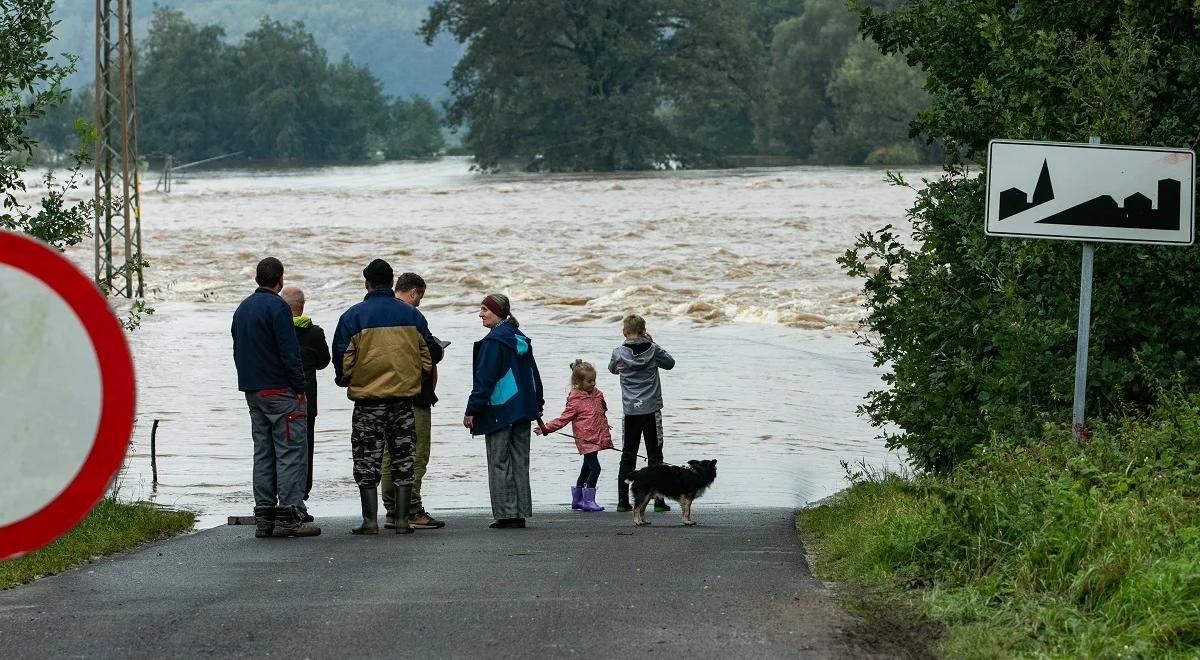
[(537, 430)]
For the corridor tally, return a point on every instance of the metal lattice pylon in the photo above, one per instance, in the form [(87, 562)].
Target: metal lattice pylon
[(118, 230)]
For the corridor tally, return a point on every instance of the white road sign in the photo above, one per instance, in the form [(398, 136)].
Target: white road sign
[(66, 395), (1087, 192)]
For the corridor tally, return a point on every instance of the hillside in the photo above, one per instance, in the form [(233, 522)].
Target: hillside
[(378, 33)]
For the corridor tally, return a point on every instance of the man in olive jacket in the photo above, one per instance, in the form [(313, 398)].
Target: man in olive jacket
[(380, 356), (314, 354)]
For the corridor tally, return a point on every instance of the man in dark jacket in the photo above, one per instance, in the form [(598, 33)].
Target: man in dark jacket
[(379, 356), (314, 354), (271, 374), (410, 289)]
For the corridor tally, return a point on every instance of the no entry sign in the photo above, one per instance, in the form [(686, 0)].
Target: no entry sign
[(66, 395)]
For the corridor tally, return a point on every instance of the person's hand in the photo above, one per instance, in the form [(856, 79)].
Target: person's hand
[(537, 430), (469, 421)]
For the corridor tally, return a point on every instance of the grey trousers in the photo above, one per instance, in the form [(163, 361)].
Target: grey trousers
[(508, 471), (279, 426)]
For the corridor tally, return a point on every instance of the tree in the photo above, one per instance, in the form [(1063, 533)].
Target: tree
[(574, 85), (873, 98), (356, 113), (415, 129), (978, 334), (805, 54), (185, 89), (281, 71), (29, 85)]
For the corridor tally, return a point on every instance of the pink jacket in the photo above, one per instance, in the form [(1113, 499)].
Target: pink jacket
[(586, 412)]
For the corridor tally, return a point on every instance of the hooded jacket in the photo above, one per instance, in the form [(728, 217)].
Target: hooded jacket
[(507, 386), (637, 361), (379, 349), (586, 413), (314, 354)]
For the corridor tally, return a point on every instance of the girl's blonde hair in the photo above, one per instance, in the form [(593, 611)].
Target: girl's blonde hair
[(581, 370)]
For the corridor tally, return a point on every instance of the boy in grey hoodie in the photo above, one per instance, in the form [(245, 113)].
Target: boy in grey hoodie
[(637, 362)]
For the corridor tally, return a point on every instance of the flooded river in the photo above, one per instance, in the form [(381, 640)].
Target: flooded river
[(734, 271)]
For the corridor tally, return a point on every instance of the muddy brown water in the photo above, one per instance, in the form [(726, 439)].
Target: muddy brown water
[(734, 270)]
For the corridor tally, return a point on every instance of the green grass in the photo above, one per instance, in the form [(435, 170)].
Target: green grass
[(1043, 549), (110, 527)]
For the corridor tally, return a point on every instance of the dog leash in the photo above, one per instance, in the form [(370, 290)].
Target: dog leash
[(622, 451)]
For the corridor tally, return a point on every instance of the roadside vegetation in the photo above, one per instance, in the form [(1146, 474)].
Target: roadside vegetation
[(1036, 549), (1014, 538), (111, 527)]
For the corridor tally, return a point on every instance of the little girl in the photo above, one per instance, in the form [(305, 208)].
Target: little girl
[(586, 411)]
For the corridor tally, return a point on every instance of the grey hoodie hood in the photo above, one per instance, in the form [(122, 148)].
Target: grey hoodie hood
[(637, 361)]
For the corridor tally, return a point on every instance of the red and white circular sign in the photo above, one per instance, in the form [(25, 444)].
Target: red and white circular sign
[(66, 394)]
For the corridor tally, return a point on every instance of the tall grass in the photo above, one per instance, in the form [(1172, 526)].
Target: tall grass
[(110, 527), (1044, 548)]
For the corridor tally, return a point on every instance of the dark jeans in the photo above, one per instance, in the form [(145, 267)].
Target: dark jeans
[(637, 427), (590, 472)]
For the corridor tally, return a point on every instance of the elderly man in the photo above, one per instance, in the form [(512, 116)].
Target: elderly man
[(379, 356), (314, 354), (410, 289), (271, 374)]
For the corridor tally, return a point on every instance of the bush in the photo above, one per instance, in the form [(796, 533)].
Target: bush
[(1043, 548), (978, 334)]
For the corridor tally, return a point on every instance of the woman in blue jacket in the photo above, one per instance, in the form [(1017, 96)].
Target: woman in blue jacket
[(505, 398)]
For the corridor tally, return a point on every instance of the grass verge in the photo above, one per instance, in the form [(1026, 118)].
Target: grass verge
[(110, 527), (1041, 549)]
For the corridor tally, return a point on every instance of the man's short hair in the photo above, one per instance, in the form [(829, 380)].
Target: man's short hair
[(269, 272), (409, 281), (633, 324)]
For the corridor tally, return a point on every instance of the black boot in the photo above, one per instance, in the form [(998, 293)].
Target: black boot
[(369, 498), (402, 508), (264, 521), (289, 521)]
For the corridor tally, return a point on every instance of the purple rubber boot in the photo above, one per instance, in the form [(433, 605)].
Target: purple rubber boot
[(576, 497), (589, 500)]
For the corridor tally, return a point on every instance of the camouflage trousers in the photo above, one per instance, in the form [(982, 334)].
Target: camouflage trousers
[(377, 425)]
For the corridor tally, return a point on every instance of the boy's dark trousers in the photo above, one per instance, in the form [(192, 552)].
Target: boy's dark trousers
[(637, 426)]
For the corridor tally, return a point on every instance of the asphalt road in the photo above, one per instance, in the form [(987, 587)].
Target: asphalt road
[(571, 585)]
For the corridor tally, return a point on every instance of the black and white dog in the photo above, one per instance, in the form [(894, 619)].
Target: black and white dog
[(682, 484)]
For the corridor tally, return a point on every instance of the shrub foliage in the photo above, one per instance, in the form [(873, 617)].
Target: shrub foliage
[(977, 333)]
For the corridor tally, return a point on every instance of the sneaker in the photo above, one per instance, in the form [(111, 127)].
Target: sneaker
[(422, 520), (623, 508), (660, 506), (389, 521)]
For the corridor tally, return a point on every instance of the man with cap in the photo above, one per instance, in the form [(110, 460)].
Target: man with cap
[(380, 356), (267, 357)]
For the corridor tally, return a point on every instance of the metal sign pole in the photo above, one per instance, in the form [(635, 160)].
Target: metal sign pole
[(1081, 345), (1083, 330)]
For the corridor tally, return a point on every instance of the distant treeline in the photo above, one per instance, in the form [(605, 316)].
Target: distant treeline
[(635, 84), (610, 84), (274, 96)]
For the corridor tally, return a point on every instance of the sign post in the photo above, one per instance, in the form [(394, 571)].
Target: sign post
[(66, 395), (1075, 192)]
